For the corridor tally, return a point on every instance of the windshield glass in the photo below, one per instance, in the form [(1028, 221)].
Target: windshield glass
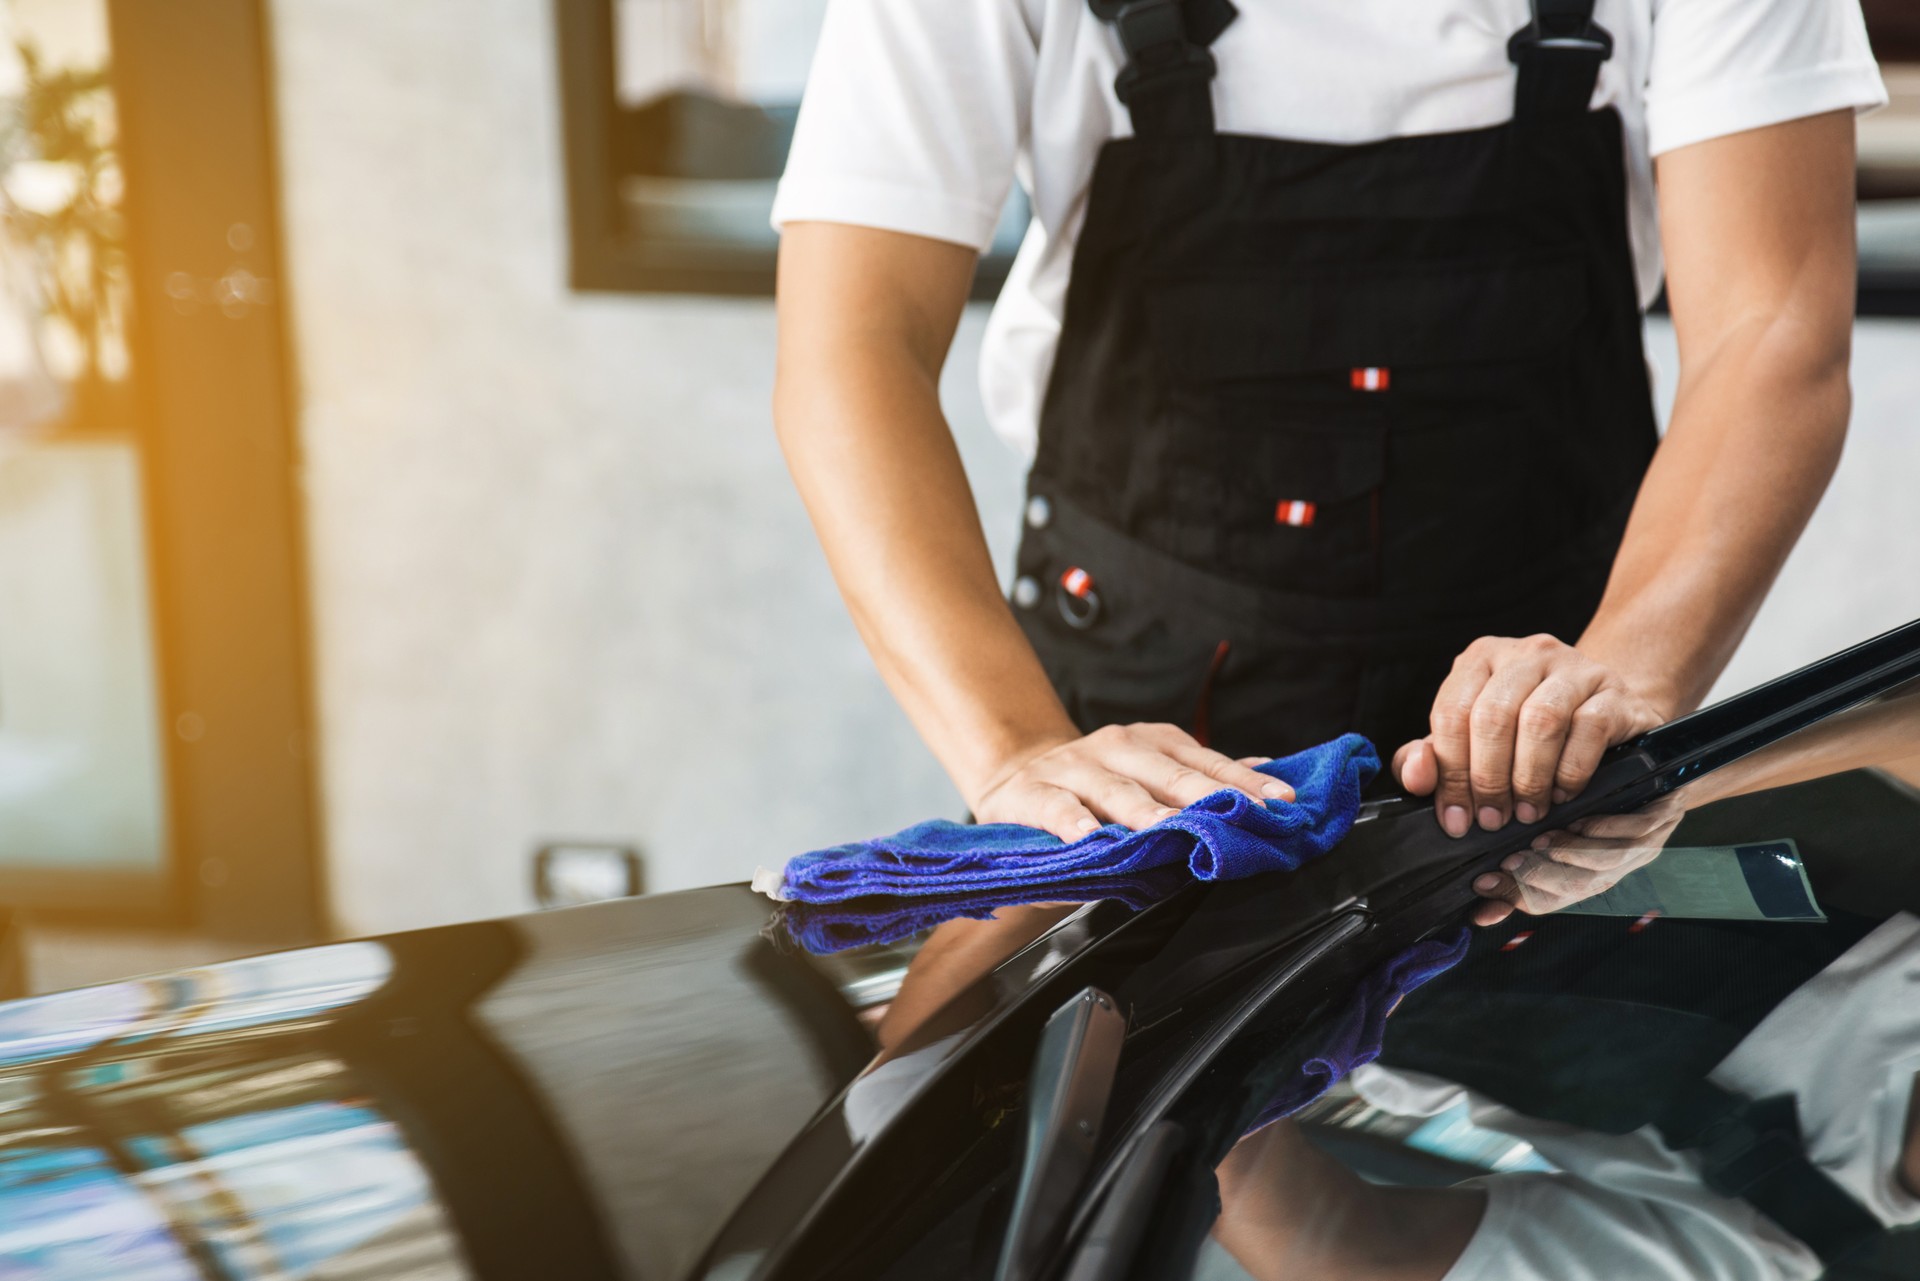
[(1684, 1042)]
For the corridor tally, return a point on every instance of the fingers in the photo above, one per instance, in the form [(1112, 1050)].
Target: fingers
[(1501, 892), (1610, 858), (1498, 891), (1547, 884), (1451, 739), (1525, 884), (1493, 728), (1536, 884), (1113, 798), (1562, 868), (1492, 912), (1416, 769), (1613, 856), (1174, 769), (1542, 729), (1062, 813), (1223, 771), (1519, 726), (1631, 826), (1595, 727), (1132, 775)]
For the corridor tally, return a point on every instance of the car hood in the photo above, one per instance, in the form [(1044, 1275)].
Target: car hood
[(586, 1092)]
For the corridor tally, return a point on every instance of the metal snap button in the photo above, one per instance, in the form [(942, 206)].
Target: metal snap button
[(1039, 512), (1079, 602), (1026, 591)]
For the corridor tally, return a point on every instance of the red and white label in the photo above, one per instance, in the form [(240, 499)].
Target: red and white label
[(1077, 581), (1295, 512), (1371, 378), (1516, 940)]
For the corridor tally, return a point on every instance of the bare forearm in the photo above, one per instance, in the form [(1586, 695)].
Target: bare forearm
[(1759, 233), (858, 411), (1757, 431), (1882, 733), (1288, 1209)]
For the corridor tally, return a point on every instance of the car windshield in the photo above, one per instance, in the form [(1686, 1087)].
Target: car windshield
[(1694, 1051)]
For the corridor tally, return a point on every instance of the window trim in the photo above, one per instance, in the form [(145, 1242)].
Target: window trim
[(602, 255), (221, 516)]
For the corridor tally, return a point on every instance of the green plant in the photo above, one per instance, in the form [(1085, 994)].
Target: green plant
[(61, 134)]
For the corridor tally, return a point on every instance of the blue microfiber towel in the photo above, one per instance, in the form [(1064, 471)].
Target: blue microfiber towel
[(825, 928), (1359, 1029), (1222, 837)]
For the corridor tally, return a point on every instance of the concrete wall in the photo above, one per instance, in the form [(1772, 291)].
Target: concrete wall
[(562, 586), (1856, 571)]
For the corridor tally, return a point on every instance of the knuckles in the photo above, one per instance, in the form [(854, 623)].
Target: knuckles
[(1493, 714), (1530, 783), (1542, 720)]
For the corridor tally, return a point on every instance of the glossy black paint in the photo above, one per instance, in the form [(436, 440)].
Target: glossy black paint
[(672, 1087)]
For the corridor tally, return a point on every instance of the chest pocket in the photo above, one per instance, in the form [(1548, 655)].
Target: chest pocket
[(1410, 407), (1414, 318)]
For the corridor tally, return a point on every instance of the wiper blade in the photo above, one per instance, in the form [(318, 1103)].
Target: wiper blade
[(1073, 1072), (1633, 774), (1737, 726)]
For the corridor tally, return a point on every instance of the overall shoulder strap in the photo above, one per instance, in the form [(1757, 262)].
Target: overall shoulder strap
[(1752, 1149), (1559, 54), (1167, 82)]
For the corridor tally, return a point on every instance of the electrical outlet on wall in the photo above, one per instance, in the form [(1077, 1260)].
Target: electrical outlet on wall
[(568, 873)]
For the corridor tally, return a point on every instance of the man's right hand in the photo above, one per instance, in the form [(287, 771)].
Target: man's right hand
[(1133, 775), (866, 317)]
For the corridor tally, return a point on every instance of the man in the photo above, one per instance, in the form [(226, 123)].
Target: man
[(1325, 341)]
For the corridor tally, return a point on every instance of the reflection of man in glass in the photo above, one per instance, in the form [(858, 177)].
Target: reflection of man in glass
[(1563, 868), (942, 996), (1629, 1199)]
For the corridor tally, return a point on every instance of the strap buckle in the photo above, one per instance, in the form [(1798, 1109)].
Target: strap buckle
[(1160, 52), (1746, 1144), (1581, 38)]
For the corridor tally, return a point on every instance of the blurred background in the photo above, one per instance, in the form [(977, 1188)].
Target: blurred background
[(392, 529)]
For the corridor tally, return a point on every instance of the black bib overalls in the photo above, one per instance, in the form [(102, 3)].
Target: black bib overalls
[(1322, 415)]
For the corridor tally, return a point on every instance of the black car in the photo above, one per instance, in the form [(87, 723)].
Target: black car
[(1694, 1054)]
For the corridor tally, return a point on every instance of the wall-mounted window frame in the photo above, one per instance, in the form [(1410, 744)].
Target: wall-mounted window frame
[(612, 244), (209, 398)]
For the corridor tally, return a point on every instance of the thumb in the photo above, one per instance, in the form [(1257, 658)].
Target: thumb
[(1415, 766)]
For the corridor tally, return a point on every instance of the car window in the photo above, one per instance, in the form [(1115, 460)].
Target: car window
[(1695, 1052)]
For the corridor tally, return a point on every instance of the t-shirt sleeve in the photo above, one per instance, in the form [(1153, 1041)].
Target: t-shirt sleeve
[(1724, 66), (914, 115), (1553, 1227)]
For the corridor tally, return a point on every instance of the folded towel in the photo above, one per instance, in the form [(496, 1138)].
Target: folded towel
[(1355, 1036), (825, 928), (1221, 837)]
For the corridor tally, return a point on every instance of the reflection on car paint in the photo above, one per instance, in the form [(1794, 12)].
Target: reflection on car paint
[(285, 1190), (139, 1140), (70, 1216), (226, 997)]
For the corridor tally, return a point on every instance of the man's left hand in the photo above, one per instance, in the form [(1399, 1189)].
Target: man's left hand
[(1563, 868), (1519, 725)]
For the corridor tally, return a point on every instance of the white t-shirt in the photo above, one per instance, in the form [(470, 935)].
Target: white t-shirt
[(919, 114), (1846, 1044)]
